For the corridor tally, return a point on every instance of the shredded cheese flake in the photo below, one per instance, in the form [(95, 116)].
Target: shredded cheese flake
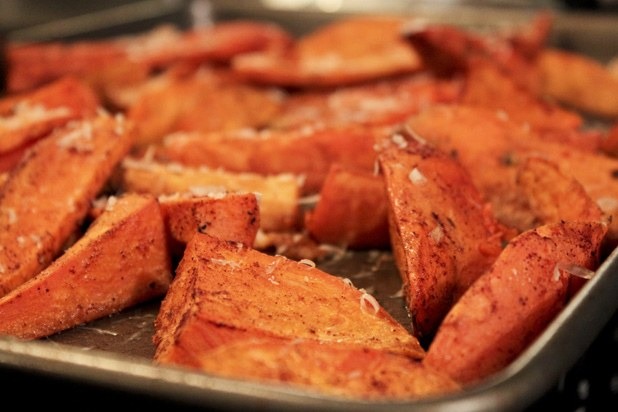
[(417, 177), (367, 300), (348, 282), (572, 269), (436, 234), (111, 202), (24, 114), (399, 140), (12, 216), (307, 262), (79, 139)]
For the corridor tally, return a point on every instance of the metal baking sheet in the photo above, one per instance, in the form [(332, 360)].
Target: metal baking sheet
[(111, 358)]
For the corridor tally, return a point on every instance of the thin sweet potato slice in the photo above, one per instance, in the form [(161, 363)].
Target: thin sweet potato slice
[(121, 260), (229, 216), (224, 292), (304, 152), (278, 195), (443, 233), (351, 211), (509, 306), (327, 369), (346, 51), (47, 196)]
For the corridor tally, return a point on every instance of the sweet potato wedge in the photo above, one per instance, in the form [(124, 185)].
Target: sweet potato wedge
[(30, 116), (491, 147), (443, 233), (121, 260), (229, 216), (304, 152), (224, 292), (351, 211), (207, 100), (34, 64), (278, 195), (327, 369), (47, 196), (384, 101), (347, 51), (510, 305), (578, 81)]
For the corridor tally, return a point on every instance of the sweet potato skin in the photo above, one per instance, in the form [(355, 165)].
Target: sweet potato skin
[(122, 260), (511, 304), (47, 196)]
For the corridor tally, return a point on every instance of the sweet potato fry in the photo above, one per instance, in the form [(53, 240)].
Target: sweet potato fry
[(224, 292), (229, 216), (509, 306), (278, 195), (30, 116), (351, 211), (47, 196), (578, 81), (346, 51), (121, 260), (327, 369), (304, 152), (443, 233)]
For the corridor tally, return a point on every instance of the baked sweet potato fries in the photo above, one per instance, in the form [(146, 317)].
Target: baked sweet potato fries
[(220, 169)]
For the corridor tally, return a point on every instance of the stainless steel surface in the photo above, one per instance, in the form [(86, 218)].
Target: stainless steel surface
[(114, 354)]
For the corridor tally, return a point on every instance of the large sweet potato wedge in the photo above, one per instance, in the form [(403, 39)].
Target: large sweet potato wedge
[(278, 195), (511, 304), (224, 292), (121, 260), (327, 369), (443, 233), (47, 196)]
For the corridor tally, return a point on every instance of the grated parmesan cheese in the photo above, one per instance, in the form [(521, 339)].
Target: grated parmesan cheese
[(365, 300), (78, 139), (25, 114), (417, 177), (399, 140), (307, 262), (436, 234)]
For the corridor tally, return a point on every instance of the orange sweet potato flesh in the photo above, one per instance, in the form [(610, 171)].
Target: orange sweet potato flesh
[(30, 116), (47, 196), (278, 194), (443, 233), (303, 152), (232, 291), (327, 369), (121, 260), (351, 210), (578, 81), (229, 216), (512, 303)]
